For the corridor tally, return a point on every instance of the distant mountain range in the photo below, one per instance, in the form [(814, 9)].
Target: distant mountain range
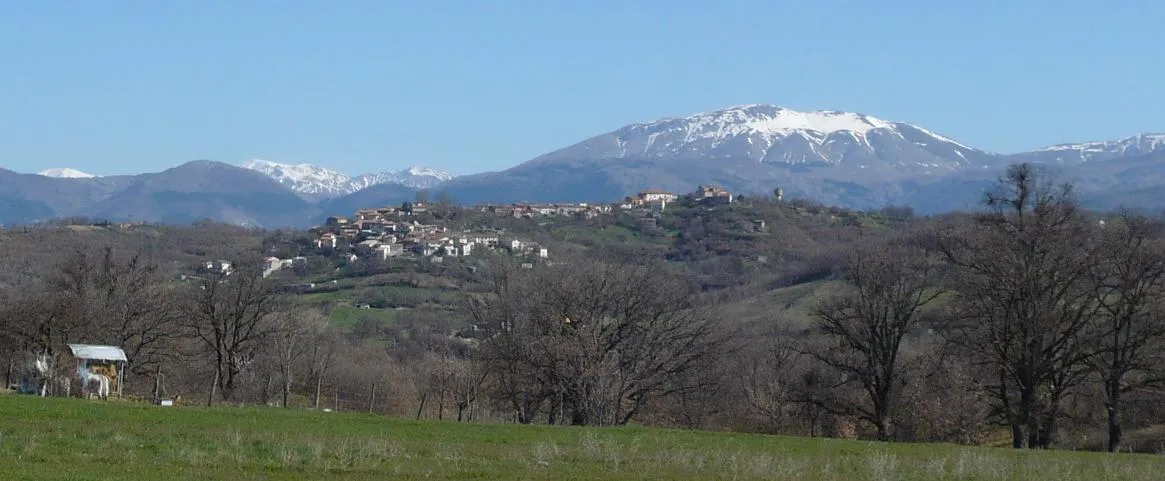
[(839, 158), (319, 182)]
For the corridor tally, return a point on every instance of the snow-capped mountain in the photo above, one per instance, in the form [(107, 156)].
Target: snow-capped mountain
[(303, 178), (836, 157), (1070, 154), (415, 177), (317, 181), (776, 135), (66, 173)]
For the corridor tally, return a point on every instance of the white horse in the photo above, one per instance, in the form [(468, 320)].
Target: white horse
[(47, 379), (91, 380)]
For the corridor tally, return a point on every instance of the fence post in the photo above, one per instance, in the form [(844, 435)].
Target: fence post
[(372, 398)]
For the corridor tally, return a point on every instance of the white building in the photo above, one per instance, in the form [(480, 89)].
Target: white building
[(219, 265), (388, 250), (657, 196), (326, 240)]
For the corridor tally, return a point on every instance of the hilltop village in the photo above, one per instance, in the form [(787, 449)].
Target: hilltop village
[(391, 231)]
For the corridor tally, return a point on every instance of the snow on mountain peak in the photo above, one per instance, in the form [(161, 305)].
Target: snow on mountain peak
[(769, 119), (319, 181), (420, 171), (773, 134), (66, 173), (297, 172), (766, 124), (1101, 150)]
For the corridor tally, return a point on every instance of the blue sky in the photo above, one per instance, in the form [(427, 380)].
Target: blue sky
[(130, 86)]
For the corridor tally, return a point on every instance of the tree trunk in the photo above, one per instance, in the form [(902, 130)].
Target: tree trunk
[(524, 414), (372, 398), (1027, 416), (1114, 429), (578, 417), (286, 389), (226, 382), (1013, 418), (158, 383), (319, 385), (1112, 407), (421, 408), (1033, 432), (213, 388), (266, 396), (555, 407), (1047, 433), (1018, 439), (884, 431)]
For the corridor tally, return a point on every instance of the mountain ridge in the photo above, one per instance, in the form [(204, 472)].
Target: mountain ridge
[(842, 158), (321, 182), (761, 132), (845, 158)]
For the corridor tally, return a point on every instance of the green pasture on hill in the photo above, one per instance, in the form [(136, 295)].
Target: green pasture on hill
[(72, 439)]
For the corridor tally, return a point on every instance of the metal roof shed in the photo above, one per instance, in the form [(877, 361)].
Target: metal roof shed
[(110, 354), (98, 353)]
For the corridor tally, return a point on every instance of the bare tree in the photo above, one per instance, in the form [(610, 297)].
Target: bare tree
[(768, 382), (1022, 299), (886, 290), (519, 379), (451, 375), (135, 309), (1128, 334), (596, 340), (37, 323), (54, 310), (699, 408), (291, 337), (944, 398), (325, 344), (466, 379), (231, 313)]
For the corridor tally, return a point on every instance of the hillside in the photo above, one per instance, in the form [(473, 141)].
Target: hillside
[(394, 296), (205, 190), (49, 438), (764, 276), (180, 195)]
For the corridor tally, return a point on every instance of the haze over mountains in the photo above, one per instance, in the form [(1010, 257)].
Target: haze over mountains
[(840, 158)]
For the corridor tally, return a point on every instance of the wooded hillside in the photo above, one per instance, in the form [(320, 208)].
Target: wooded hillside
[(1031, 322)]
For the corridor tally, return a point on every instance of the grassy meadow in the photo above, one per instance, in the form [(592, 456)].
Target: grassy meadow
[(72, 439)]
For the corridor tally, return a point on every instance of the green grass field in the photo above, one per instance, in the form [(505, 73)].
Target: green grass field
[(54, 438)]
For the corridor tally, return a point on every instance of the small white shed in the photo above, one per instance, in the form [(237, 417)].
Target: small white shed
[(107, 360)]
